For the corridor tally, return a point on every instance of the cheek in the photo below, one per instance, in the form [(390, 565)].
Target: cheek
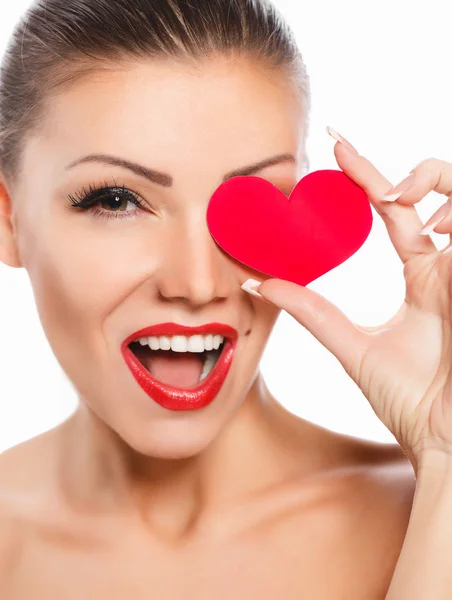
[(262, 323), (269, 320), (82, 274)]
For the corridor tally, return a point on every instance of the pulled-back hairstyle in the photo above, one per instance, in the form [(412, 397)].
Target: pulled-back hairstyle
[(56, 42)]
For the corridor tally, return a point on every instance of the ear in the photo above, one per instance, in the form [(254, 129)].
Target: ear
[(9, 251)]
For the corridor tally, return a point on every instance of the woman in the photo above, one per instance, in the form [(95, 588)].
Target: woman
[(119, 120)]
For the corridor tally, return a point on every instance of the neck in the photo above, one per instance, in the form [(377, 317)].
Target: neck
[(258, 448)]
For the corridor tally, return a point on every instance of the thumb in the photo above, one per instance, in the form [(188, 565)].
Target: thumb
[(327, 323)]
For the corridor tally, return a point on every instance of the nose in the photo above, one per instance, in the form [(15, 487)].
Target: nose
[(194, 269)]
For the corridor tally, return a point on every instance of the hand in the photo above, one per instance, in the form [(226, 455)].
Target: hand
[(403, 367)]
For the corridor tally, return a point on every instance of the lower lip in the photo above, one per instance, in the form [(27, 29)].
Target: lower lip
[(179, 399)]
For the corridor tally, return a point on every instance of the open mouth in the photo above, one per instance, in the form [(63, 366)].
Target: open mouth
[(180, 368)]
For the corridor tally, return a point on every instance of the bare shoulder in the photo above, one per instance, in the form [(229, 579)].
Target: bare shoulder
[(9, 526), (380, 477), (376, 499), (385, 472), (25, 466), (22, 477), (10, 544)]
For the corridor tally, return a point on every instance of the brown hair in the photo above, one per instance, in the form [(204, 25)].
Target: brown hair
[(56, 42)]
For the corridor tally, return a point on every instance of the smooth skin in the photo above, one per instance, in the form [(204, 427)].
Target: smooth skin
[(403, 366), (126, 499)]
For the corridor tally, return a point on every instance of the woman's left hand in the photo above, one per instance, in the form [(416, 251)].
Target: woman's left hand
[(403, 366)]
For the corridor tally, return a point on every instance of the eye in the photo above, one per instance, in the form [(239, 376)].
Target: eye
[(108, 202)]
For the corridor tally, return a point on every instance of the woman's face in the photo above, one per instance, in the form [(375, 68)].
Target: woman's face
[(100, 275)]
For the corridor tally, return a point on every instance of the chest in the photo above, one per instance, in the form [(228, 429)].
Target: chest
[(294, 564)]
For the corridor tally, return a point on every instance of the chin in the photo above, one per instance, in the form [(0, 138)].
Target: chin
[(168, 439)]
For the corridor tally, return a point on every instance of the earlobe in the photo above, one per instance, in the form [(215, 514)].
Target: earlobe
[(9, 252)]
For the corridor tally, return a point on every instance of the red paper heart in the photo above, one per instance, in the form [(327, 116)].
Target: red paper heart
[(326, 219)]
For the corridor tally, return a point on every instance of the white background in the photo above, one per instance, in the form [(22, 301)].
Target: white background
[(381, 76)]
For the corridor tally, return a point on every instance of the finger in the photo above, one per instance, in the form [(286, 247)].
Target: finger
[(431, 175), (439, 216), (434, 175), (402, 221), (327, 323)]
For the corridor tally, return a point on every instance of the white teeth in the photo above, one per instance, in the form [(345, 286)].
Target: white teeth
[(209, 364), (196, 344), (181, 343), (208, 342), (217, 341), (153, 342), (165, 343)]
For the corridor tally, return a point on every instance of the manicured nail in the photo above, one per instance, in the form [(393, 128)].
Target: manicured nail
[(250, 286), (338, 137), (437, 217), (394, 193)]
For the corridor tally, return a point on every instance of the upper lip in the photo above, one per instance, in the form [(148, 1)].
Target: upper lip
[(171, 329)]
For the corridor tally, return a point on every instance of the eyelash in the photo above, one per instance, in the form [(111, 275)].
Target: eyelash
[(87, 200)]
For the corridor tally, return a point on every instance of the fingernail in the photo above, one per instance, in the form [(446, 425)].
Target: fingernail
[(338, 137), (250, 285), (394, 193), (440, 214)]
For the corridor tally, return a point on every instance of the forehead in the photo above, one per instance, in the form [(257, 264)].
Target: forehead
[(171, 114)]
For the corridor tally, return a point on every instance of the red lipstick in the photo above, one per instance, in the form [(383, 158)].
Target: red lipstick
[(179, 399)]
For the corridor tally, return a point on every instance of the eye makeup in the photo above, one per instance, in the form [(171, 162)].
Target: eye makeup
[(107, 202)]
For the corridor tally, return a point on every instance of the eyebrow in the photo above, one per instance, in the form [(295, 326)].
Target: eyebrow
[(166, 180)]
